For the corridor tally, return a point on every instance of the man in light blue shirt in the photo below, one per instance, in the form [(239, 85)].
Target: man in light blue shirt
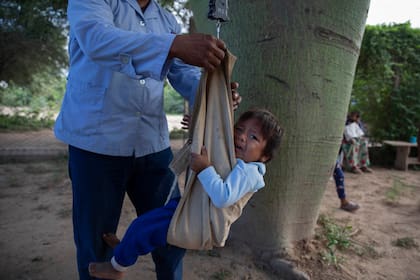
[(112, 116)]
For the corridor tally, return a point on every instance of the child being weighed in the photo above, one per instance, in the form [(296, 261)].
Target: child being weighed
[(257, 135)]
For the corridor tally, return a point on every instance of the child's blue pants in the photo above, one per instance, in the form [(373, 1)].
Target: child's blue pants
[(339, 181), (145, 233)]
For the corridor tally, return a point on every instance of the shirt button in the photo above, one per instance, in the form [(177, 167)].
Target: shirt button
[(142, 23), (124, 59), (142, 82), (138, 114)]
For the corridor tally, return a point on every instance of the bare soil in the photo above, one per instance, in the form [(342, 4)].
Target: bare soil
[(36, 231)]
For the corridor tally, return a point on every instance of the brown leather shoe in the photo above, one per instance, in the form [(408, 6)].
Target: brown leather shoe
[(350, 206)]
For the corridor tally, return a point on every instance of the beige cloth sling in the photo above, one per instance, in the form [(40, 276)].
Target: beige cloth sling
[(197, 223)]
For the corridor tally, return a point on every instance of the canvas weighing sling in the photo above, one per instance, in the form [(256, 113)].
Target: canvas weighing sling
[(197, 223)]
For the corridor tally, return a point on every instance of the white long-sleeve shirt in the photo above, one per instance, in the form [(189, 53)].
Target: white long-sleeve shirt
[(244, 178)]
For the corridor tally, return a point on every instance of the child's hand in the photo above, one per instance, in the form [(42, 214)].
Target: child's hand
[(185, 122), (199, 162), (236, 97)]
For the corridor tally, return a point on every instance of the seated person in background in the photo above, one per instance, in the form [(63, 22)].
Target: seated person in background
[(355, 145)]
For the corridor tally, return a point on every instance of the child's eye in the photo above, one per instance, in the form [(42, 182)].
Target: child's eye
[(254, 137)]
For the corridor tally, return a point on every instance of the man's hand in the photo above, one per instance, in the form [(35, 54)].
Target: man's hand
[(198, 49), (199, 162)]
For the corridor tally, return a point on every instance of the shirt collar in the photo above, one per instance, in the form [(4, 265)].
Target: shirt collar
[(150, 12)]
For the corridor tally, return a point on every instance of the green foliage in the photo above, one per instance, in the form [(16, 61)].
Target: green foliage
[(405, 242), (336, 238), (33, 39), (386, 88), (43, 94), (33, 107), (15, 96), (178, 134), (24, 123), (173, 101)]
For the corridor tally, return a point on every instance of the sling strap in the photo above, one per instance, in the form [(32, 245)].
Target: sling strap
[(197, 223)]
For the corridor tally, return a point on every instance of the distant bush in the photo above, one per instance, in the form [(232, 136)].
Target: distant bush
[(43, 94), (33, 106), (24, 123), (178, 134)]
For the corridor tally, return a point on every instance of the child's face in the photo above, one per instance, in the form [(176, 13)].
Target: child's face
[(249, 142)]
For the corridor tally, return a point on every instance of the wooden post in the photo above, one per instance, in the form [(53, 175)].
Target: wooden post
[(401, 162)]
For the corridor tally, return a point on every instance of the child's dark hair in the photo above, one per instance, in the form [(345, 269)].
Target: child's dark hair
[(270, 129), (353, 114)]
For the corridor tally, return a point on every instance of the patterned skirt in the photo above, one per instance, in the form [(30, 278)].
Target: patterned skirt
[(356, 154)]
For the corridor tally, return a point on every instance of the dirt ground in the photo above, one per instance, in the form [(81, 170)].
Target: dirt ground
[(36, 232)]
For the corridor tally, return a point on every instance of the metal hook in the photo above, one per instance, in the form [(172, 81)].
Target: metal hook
[(218, 27)]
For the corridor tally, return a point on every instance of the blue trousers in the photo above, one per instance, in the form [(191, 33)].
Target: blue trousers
[(99, 184), (338, 175)]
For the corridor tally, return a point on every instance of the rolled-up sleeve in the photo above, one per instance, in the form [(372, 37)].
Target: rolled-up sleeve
[(185, 79)]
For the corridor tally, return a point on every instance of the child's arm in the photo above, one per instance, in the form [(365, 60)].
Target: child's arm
[(244, 178)]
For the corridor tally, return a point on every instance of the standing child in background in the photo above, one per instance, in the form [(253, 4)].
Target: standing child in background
[(257, 135)]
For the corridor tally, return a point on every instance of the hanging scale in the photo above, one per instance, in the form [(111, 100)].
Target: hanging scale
[(218, 11)]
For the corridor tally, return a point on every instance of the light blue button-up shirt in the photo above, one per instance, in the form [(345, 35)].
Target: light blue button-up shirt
[(113, 103)]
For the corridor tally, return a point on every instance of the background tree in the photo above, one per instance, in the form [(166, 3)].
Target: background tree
[(33, 58), (32, 39), (387, 85), (297, 58)]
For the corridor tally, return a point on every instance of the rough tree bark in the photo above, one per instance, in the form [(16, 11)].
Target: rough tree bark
[(297, 58)]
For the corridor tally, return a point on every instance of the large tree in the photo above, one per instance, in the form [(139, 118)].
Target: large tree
[(297, 58)]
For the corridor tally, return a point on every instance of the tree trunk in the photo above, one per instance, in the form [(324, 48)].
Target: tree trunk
[(296, 58)]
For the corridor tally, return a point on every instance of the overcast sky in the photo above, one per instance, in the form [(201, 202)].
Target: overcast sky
[(394, 11)]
